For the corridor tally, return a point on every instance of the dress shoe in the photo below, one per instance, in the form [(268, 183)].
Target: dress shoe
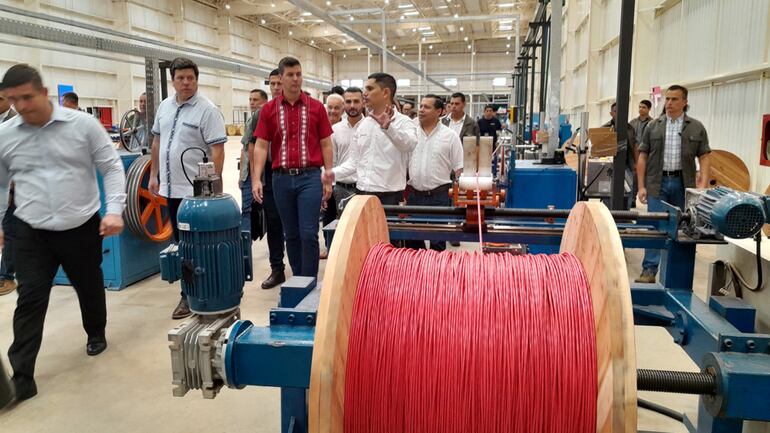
[(275, 278), (25, 388), (182, 310), (7, 286), (96, 345), (323, 255), (454, 244)]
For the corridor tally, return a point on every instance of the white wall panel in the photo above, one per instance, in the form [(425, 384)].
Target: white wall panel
[(700, 23), (201, 35), (744, 27), (87, 8), (151, 20), (669, 44), (608, 85), (199, 13), (610, 20)]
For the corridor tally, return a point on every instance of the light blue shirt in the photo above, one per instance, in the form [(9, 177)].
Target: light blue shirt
[(54, 170), (197, 122)]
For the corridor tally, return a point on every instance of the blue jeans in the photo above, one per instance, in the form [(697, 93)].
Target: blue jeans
[(7, 269), (672, 192), (440, 199), (247, 199), (298, 199)]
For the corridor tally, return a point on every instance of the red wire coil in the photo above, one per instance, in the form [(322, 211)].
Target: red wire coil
[(466, 342)]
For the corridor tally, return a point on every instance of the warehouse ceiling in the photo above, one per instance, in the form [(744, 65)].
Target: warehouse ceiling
[(448, 26)]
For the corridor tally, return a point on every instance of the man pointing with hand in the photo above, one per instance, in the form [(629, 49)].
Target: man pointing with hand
[(299, 133)]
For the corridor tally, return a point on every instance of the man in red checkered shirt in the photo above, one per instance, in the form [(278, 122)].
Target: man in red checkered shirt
[(299, 133)]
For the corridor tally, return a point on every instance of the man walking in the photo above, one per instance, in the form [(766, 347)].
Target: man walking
[(666, 165), (297, 128), (257, 98), (489, 124), (52, 155), (184, 121)]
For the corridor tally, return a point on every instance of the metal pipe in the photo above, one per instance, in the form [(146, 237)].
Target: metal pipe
[(447, 19), (625, 51), (318, 12), (553, 71), (522, 213), (355, 11), (681, 382), (384, 44)]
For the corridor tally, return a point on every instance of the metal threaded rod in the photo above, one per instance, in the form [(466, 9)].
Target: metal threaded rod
[(681, 382), (522, 213)]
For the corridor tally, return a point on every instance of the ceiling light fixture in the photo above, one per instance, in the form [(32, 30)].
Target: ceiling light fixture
[(469, 46), (465, 39), (430, 47), (369, 30), (507, 45), (394, 48), (227, 6), (272, 5), (462, 29), (352, 18), (291, 33), (328, 3), (411, 13), (457, 15), (439, 54), (263, 21)]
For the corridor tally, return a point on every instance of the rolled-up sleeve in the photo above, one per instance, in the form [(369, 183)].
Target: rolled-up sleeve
[(403, 134), (110, 166)]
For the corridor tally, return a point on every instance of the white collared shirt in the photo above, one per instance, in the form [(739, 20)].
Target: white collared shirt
[(4, 115), (436, 156), (54, 170), (457, 127), (380, 157), (341, 140), (672, 150), (195, 123)]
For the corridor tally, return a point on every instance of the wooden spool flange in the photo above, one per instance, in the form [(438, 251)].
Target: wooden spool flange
[(590, 234)]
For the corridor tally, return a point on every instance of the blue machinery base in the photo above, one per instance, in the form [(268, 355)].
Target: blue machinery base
[(718, 335)]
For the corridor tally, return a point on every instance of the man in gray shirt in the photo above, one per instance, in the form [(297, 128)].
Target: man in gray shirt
[(7, 271), (53, 154), (184, 121)]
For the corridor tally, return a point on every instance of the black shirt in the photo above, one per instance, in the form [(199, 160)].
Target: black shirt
[(490, 128)]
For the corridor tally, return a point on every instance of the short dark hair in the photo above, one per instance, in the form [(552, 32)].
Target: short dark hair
[(438, 101), (338, 90), (261, 92), (287, 62), (72, 97), (274, 73), (489, 106), (183, 63), (21, 74), (409, 102), (680, 88), (385, 81), (458, 95), (614, 104), (353, 90), (647, 103)]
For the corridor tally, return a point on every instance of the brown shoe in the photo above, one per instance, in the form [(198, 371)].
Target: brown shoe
[(182, 310), (647, 277), (7, 286), (324, 255)]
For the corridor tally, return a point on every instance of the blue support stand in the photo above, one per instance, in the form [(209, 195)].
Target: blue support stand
[(293, 410)]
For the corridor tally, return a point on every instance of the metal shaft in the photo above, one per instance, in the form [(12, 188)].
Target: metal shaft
[(681, 382), (523, 213)]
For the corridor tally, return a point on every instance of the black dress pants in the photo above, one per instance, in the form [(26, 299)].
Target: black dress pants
[(39, 253)]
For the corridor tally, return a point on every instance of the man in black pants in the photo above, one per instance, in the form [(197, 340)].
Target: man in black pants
[(184, 121), (53, 154)]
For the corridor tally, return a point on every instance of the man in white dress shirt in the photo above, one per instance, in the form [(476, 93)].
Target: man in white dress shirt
[(344, 131), (438, 154), (381, 146)]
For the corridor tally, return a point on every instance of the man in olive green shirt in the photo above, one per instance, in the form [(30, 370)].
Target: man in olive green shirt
[(666, 163)]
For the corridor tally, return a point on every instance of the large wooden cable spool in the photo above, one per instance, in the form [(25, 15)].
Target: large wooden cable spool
[(590, 234), (146, 214), (728, 170)]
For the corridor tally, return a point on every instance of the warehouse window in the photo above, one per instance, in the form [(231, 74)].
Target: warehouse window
[(345, 83), (357, 83), (404, 82), (450, 82), (499, 81)]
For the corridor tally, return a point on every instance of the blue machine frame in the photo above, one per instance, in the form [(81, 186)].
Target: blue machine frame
[(718, 335)]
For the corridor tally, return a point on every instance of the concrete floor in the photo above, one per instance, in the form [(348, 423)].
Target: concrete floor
[(128, 388)]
